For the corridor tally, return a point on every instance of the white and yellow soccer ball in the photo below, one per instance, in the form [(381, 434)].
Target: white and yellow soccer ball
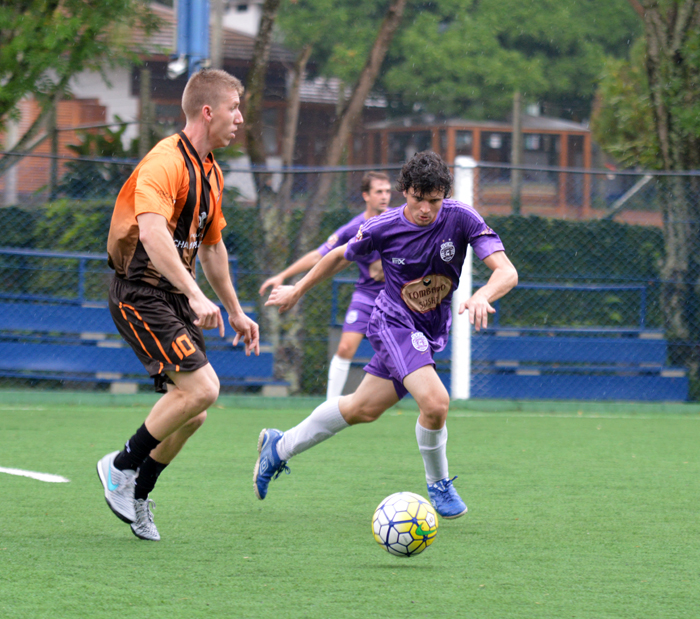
[(404, 524)]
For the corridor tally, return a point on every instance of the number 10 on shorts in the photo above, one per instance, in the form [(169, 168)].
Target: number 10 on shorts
[(183, 347)]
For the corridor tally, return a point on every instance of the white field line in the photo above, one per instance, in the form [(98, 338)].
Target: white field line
[(516, 415), (40, 476), (22, 408)]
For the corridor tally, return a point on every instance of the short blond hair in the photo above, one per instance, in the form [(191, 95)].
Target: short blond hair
[(208, 87)]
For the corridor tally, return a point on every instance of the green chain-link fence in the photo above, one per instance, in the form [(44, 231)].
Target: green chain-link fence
[(590, 246)]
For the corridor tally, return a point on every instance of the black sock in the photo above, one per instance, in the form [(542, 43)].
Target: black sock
[(136, 450), (148, 476)]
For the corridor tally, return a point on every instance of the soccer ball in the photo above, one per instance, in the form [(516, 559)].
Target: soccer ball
[(404, 524)]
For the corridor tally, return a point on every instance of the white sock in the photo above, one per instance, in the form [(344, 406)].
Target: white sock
[(433, 447), (337, 375), (323, 423)]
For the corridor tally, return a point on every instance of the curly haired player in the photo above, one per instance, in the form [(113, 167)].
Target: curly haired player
[(422, 246)]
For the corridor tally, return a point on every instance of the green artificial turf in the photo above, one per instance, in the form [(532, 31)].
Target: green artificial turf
[(584, 511)]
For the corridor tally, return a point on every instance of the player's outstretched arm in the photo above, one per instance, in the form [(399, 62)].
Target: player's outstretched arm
[(286, 297), (214, 259), (300, 266), (503, 278)]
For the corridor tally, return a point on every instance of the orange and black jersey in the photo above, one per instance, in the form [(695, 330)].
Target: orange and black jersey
[(172, 181)]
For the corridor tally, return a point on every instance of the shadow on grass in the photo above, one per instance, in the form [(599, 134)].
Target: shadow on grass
[(401, 566)]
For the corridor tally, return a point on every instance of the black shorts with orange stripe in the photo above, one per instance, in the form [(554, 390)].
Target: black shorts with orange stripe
[(159, 327)]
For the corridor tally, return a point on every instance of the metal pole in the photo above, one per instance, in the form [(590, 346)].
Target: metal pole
[(81, 280), (216, 50), (199, 35), (53, 173), (516, 157), (146, 116), (11, 137)]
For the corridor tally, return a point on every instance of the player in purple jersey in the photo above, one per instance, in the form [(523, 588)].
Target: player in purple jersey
[(376, 192), (422, 247)]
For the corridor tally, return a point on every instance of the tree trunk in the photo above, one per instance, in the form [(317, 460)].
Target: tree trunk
[(674, 88), (287, 333), (291, 122), (284, 333), (255, 83), (345, 122)]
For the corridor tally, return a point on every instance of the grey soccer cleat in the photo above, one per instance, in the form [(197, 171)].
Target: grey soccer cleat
[(119, 488), (144, 527)]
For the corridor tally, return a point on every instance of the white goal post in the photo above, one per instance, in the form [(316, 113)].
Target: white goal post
[(461, 329)]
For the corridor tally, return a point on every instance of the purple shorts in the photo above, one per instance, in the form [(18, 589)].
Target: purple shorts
[(357, 317), (398, 350)]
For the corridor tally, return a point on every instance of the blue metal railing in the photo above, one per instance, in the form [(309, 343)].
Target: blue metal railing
[(81, 269), (642, 290)]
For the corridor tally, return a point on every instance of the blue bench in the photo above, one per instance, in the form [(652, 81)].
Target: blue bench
[(604, 363), (592, 365), (71, 342), (568, 365)]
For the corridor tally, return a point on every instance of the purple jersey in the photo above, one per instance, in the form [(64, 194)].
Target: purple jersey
[(366, 288), (423, 264)]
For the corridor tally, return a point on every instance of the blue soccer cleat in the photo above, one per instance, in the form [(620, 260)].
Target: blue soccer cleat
[(269, 466), (445, 499)]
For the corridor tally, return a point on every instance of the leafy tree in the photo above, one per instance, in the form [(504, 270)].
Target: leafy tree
[(467, 57), (348, 117), (665, 76), (672, 35), (457, 57), (341, 33), (623, 120), (44, 43), (104, 171), (309, 23)]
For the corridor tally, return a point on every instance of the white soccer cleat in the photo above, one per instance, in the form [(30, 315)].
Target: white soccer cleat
[(119, 488), (143, 526)]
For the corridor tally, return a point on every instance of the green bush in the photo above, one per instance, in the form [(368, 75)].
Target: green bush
[(571, 253)]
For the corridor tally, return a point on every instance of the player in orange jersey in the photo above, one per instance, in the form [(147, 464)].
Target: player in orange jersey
[(167, 213)]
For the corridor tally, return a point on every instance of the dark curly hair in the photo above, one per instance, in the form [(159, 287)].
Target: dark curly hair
[(425, 172)]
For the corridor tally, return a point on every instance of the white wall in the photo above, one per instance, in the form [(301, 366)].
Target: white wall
[(246, 21), (117, 98)]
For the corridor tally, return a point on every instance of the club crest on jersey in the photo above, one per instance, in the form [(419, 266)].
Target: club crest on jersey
[(447, 251), (419, 341), (358, 236)]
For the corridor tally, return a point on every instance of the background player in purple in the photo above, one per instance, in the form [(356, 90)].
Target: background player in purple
[(376, 192), (422, 246)]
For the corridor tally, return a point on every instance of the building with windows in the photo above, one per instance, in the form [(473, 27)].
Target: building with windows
[(547, 142)]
